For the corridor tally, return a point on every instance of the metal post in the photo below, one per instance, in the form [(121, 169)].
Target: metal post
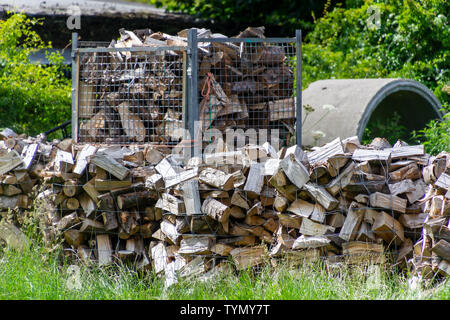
[(298, 129), (74, 87), (192, 87)]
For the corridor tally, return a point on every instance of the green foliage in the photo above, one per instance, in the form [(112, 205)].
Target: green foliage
[(40, 273), (436, 135), (36, 273), (282, 17), (33, 98), (389, 128), (413, 41)]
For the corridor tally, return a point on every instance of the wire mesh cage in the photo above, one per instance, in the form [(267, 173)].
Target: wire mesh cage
[(130, 95), (240, 87), (248, 85)]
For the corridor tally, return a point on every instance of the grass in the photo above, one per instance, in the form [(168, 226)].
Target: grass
[(37, 274)]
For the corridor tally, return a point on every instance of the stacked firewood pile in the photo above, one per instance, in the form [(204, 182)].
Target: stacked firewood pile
[(432, 252), (342, 202), (138, 96)]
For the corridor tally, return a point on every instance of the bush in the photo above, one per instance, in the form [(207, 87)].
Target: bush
[(33, 98)]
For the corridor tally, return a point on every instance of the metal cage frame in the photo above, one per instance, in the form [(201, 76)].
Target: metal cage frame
[(190, 105)]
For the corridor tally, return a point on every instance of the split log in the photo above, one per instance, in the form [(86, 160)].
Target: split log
[(153, 156), (110, 220), (245, 258), (89, 188), (194, 268), (165, 169), (68, 221), (110, 165), (19, 201), (413, 221), (401, 187), (181, 177), (10, 161), (365, 233), (443, 182), (71, 188), (258, 231), (195, 246), (191, 197), (335, 220), (372, 155), (239, 200), (255, 179), (406, 151), (321, 195), (92, 226), (336, 162), (73, 237), (311, 228), (290, 220), (442, 249), (159, 257), (171, 204), (385, 201), (352, 222), (11, 190), (358, 252), (217, 211), (107, 185), (135, 199), (170, 231), (82, 159), (303, 208), (271, 224), (217, 179), (295, 171), (327, 151), (104, 249), (280, 204), (410, 171), (87, 204), (342, 180), (132, 125), (418, 192), (24, 181), (221, 249), (388, 228), (257, 209), (63, 161), (444, 267), (303, 242), (13, 236), (70, 204), (28, 155), (254, 220)]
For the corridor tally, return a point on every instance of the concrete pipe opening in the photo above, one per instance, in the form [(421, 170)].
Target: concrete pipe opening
[(345, 107)]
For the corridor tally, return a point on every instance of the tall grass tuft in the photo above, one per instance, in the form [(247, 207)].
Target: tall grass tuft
[(37, 273)]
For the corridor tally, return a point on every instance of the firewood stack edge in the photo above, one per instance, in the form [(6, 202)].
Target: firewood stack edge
[(342, 202)]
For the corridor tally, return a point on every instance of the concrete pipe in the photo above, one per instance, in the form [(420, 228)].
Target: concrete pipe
[(343, 108)]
